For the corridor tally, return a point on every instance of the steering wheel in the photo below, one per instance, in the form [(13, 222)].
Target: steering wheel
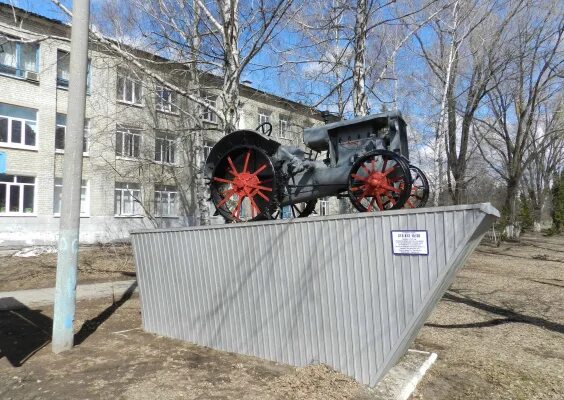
[(265, 128)]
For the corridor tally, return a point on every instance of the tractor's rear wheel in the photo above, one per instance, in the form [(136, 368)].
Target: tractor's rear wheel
[(419, 189), (379, 180), (243, 185)]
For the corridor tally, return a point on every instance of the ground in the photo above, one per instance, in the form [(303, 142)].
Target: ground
[(499, 330), (104, 263), (499, 333)]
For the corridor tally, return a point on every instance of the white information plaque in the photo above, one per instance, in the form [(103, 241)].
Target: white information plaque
[(410, 243)]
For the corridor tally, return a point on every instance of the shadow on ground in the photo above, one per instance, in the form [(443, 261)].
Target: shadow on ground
[(510, 316), (23, 331)]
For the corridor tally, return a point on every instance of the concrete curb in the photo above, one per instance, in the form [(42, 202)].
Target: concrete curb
[(400, 382), (43, 297)]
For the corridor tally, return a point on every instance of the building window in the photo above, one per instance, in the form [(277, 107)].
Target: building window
[(18, 126), (129, 89), (127, 199), (61, 130), (324, 207), (263, 117), (284, 128), (207, 114), (84, 197), (166, 100), (17, 194), (63, 68), (165, 201), (128, 142), (165, 148), (208, 146), (17, 57)]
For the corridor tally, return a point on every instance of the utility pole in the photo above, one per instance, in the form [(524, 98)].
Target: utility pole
[(67, 260)]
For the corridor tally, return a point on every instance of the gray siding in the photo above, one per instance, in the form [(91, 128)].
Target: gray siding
[(314, 290)]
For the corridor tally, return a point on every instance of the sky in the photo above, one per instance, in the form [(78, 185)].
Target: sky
[(266, 79), (42, 7)]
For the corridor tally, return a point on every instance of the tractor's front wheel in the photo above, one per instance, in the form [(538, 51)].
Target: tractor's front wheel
[(379, 180)]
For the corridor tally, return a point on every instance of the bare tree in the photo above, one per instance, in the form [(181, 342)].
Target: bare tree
[(211, 42), (462, 58), (532, 77), (546, 153)]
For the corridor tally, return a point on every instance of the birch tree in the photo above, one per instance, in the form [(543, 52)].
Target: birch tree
[(462, 58), (211, 42)]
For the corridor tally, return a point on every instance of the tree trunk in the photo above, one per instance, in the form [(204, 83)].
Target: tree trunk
[(512, 228), (360, 101), (537, 216), (202, 194), (232, 67)]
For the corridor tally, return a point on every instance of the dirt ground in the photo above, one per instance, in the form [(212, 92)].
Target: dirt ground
[(499, 330), (499, 334), (96, 264)]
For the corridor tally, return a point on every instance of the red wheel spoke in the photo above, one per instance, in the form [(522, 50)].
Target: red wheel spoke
[(234, 170), (358, 177), (364, 194), (236, 211), (262, 167), (390, 170), (227, 197), (392, 189), (363, 166), (373, 165), (357, 188), (409, 203), (379, 202), (371, 205), (246, 161), (259, 187), (261, 194), (254, 206), (215, 178)]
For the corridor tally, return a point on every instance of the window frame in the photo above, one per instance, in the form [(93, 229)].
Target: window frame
[(21, 195), (86, 137), (135, 81), (169, 106), (8, 143), (85, 184), (323, 207), (137, 208), (207, 146), (19, 71), (172, 145), (133, 131), (63, 83), (264, 114), (206, 114), (284, 133), (161, 190)]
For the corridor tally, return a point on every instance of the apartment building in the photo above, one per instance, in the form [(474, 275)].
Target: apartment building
[(139, 160)]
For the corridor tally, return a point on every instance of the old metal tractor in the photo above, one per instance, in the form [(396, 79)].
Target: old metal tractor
[(252, 177)]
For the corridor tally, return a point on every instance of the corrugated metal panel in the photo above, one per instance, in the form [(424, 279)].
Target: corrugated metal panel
[(302, 291)]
